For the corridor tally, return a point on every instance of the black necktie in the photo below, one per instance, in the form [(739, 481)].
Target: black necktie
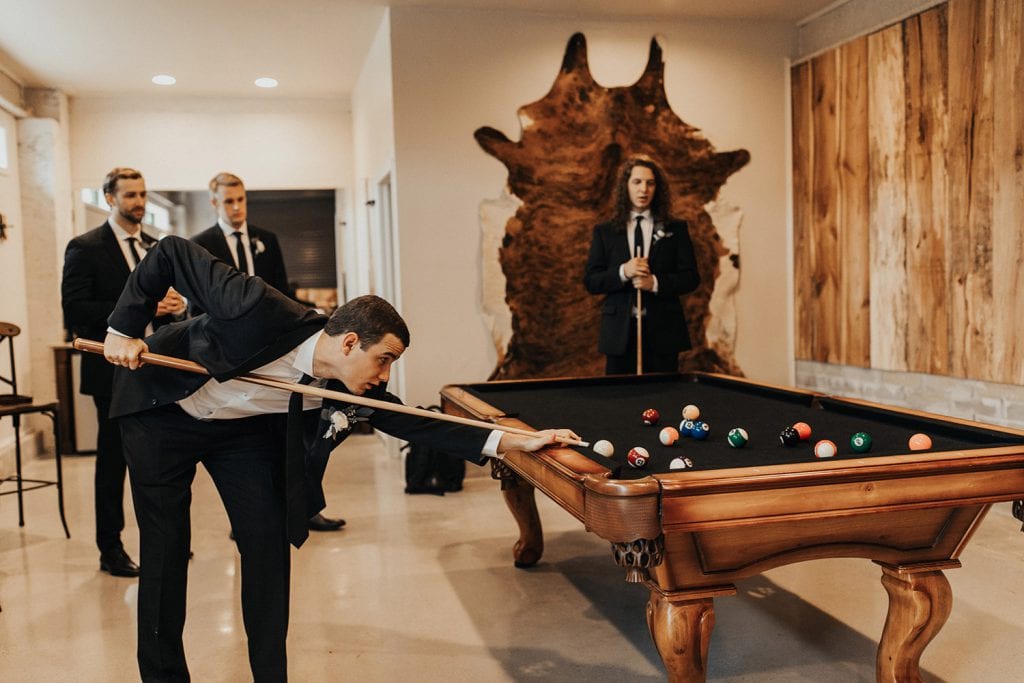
[(243, 261), (296, 514), (638, 238), (135, 252)]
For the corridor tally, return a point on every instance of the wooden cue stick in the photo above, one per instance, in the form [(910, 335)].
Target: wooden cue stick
[(193, 367), (639, 334)]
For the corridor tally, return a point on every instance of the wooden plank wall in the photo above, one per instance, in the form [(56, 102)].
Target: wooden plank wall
[(908, 181)]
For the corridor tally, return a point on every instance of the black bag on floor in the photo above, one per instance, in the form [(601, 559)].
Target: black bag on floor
[(431, 471)]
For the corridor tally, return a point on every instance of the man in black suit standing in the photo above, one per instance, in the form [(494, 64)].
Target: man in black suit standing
[(173, 420), (642, 249), (250, 249), (96, 266), (253, 251)]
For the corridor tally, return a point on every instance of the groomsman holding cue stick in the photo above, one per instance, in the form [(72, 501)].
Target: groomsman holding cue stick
[(173, 420)]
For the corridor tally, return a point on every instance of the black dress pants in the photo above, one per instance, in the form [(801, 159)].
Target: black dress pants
[(245, 459), (653, 361), (108, 480)]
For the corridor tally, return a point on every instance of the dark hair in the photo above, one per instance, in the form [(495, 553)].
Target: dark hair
[(660, 204), (371, 318), (119, 173)]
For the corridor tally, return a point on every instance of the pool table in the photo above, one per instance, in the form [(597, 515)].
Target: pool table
[(688, 535)]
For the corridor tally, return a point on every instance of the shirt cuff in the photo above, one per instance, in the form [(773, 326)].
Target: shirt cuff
[(654, 289), (111, 330), (490, 448), (622, 273)]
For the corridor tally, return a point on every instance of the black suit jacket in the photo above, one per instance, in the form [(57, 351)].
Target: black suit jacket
[(265, 252), (95, 272), (246, 325), (672, 262)]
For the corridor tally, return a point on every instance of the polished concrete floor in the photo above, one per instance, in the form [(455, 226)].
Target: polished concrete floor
[(422, 588)]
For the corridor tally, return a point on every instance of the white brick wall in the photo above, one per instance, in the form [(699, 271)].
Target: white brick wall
[(999, 404)]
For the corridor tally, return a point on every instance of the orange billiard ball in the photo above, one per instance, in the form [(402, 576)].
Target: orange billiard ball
[(803, 429), (920, 442)]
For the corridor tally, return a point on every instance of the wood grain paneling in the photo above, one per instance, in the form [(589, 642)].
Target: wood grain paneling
[(927, 324), (1008, 192), (888, 200), (909, 249), (803, 236)]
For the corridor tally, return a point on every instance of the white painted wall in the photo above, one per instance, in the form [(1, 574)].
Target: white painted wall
[(373, 154), (181, 143), (455, 71)]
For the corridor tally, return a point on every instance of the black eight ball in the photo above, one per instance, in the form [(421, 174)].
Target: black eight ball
[(789, 436)]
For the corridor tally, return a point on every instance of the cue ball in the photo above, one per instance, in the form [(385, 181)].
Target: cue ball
[(738, 437), (825, 449), (691, 412), (637, 456), (604, 448), (650, 416), (668, 436), (920, 442), (680, 464), (860, 442), (700, 430), (803, 429), (789, 436)]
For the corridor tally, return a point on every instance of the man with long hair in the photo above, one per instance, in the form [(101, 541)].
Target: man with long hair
[(642, 249)]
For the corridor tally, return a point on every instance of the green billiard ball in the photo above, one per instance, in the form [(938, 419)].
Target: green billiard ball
[(860, 442), (738, 437)]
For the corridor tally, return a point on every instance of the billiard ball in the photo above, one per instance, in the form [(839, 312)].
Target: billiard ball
[(920, 442), (803, 429), (637, 456), (604, 448), (825, 449), (738, 437), (668, 436), (789, 436), (650, 416), (860, 442), (680, 464), (700, 430), (691, 412), (686, 428)]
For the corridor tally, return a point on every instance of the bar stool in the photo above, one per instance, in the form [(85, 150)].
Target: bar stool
[(15, 405)]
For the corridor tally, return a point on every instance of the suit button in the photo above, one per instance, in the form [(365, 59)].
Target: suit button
[(152, 402)]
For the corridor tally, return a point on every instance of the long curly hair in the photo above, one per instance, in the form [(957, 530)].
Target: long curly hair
[(623, 205)]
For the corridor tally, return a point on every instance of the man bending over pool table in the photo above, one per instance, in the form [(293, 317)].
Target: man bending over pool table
[(172, 420)]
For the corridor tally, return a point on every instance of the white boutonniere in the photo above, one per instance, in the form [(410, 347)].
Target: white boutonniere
[(660, 234), (341, 420), (257, 246)]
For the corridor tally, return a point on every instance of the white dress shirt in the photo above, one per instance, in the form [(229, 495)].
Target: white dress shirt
[(647, 228), (229, 235)]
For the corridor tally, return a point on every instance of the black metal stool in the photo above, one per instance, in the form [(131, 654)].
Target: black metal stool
[(16, 405)]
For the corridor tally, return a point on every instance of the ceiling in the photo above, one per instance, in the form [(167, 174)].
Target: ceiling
[(217, 47)]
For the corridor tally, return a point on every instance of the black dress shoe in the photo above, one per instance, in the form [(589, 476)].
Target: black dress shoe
[(117, 563), (320, 523), (431, 490)]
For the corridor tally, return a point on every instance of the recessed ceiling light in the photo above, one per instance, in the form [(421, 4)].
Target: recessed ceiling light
[(266, 82), (164, 79)]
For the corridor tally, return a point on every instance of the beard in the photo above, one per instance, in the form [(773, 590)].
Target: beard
[(131, 217)]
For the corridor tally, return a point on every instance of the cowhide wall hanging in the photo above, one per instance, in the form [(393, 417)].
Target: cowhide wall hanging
[(561, 182)]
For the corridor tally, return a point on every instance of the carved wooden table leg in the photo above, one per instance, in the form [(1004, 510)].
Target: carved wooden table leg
[(920, 600), (681, 623), (520, 500)]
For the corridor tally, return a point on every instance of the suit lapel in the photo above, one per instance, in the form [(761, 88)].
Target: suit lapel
[(113, 250), (658, 227), (220, 243)]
